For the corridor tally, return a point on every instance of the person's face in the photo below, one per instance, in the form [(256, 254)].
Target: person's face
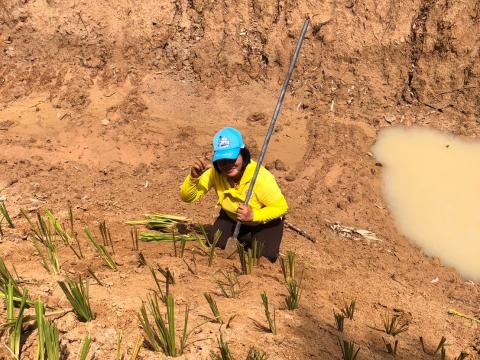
[(231, 168)]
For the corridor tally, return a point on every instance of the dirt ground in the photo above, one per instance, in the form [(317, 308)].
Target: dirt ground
[(106, 104)]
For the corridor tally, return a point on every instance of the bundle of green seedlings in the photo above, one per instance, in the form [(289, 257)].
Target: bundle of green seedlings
[(160, 334), (48, 336), (217, 318), (228, 284), (251, 257), (272, 323), (5, 278), (5, 217), (14, 322), (101, 250), (169, 280), (440, 350), (225, 353), (70, 239), (347, 312), (255, 354), (348, 349), (394, 324), (45, 241), (136, 348), (78, 296), (294, 285)]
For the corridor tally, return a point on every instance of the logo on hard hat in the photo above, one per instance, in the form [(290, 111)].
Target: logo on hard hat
[(223, 142)]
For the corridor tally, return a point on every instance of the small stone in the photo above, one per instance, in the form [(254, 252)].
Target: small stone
[(105, 122), (280, 165), (290, 178)]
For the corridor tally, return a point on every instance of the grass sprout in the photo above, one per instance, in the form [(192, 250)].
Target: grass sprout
[(228, 284), (272, 325), (225, 353), (136, 348), (134, 236), (294, 288), (106, 236), (6, 278), (213, 306), (339, 320), (255, 354), (64, 235), (160, 334), (141, 259), (5, 215), (288, 266), (213, 245), (461, 356), (15, 322), (394, 324), (348, 349), (78, 296), (87, 341), (101, 250), (44, 235), (349, 310)]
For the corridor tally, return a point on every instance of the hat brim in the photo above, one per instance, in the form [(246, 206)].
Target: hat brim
[(229, 154)]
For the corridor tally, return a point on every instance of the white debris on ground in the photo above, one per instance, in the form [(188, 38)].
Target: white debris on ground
[(352, 233)]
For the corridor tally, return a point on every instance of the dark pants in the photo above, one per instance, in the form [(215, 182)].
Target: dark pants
[(269, 234)]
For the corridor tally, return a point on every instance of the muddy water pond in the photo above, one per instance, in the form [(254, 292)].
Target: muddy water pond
[(431, 184)]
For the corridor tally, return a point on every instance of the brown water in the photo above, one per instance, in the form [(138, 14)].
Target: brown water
[(432, 188)]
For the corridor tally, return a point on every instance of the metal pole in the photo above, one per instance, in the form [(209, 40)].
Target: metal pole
[(293, 62)]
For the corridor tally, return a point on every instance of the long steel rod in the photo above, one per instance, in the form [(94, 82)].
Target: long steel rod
[(293, 62)]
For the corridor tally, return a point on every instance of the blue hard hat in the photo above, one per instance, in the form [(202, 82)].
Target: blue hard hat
[(227, 144)]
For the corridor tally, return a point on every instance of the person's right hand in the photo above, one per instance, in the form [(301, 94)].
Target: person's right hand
[(198, 168)]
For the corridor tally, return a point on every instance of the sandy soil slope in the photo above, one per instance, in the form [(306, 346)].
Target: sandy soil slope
[(106, 105)]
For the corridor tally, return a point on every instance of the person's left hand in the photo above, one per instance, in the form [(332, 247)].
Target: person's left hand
[(244, 213)]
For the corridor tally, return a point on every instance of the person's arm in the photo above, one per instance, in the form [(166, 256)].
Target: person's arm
[(194, 188), (269, 194)]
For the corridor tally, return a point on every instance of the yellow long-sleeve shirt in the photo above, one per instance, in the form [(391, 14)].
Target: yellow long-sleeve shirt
[(267, 201)]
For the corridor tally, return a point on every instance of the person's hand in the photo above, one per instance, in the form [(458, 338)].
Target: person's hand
[(244, 213), (198, 168)]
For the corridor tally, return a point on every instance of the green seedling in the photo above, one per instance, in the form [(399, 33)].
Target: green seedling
[(183, 244), (78, 296), (294, 293), (106, 236), (228, 284), (339, 320), (272, 325), (136, 348), (461, 356), (160, 334), (95, 277), (440, 346), (64, 235), (217, 318), (254, 254), (169, 276), (213, 246), (134, 236), (394, 324), (102, 251), (44, 236), (348, 349), (242, 255), (6, 278), (225, 353), (255, 354), (52, 341), (349, 310), (288, 266), (118, 353), (5, 215), (87, 342), (15, 323), (141, 260), (163, 296)]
